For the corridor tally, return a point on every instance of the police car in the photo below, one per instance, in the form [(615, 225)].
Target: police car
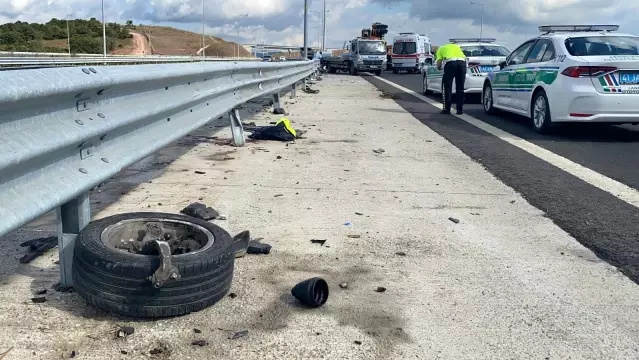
[(483, 56), (571, 73)]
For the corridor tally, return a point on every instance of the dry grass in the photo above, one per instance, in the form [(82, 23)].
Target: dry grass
[(171, 41)]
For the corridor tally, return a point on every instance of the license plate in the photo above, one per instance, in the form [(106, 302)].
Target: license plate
[(629, 78), (486, 68)]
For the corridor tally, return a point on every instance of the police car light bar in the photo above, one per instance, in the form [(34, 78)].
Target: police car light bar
[(473, 40), (577, 28)]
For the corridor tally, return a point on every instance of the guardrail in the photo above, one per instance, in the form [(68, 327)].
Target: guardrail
[(65, 130), (10, 63)]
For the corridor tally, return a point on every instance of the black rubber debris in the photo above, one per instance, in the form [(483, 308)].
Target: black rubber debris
[(318, 241), (200, 211), (125, 331), (37, 247), (400, 253), (456, 221), (73, 354), (380, 289), (239, 334), (62, 288), (232, 295), (39, 299), (200, 343), (156, 351), (258, 248), (357, 342), (200, 172), (359, 213), (379, 151), (197, 331), (41, 292), (123, 352), (312, 292)]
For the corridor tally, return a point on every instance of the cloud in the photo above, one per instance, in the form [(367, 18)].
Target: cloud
[(280, 21)]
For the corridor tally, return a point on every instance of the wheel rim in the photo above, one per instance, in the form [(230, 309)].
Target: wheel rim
[(488, 98), (539, 112)]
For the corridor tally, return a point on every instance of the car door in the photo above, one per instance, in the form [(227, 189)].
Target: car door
[(530, 73), (506, 82)]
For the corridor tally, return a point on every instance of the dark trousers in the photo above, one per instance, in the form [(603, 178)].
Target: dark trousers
[(454, 70)]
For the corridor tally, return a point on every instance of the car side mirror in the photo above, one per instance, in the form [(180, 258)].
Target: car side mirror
[(502, 64)]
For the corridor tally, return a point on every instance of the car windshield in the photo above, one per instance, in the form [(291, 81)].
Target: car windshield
[(602, 45), (404, 48), (485, 50), (372, 48)]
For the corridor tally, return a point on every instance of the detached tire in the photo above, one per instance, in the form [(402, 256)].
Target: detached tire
[(117, 281)]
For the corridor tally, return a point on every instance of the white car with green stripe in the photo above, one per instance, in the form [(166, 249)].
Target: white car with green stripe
[(571, 73), (483, 56)]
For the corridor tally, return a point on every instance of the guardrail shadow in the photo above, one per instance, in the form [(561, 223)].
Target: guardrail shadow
[(44, 271)]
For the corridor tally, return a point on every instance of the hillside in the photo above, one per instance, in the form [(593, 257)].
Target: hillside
[(128, 39)]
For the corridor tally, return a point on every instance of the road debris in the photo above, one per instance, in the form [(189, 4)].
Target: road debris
[(379, 151), (197, 331), (357, 342), (359, 213), (38, 300), (256, 247), (232, 295), (343, 285), (125, 331), (239, 334), (281, 131), (311, 292), (400, 253), (37, 247), (200, 211), (380, 289), (318, 241), (41, 292), (456, 221), (200, 343), (354, 236), (199, 172), (62, 288)]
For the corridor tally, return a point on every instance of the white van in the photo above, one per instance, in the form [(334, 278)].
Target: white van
[(411, 52)]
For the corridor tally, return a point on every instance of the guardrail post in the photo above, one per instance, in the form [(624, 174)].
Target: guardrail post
[(276, 101), (72, 217), (293, 90), (237, 130)]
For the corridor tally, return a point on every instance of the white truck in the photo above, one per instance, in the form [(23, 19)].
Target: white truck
[(411, 53)]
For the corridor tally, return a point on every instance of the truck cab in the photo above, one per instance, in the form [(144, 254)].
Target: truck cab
[(364, 54)]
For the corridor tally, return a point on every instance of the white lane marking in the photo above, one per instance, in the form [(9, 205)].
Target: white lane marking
[(614, 187)]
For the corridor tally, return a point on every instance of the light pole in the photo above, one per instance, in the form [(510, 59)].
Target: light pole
[(68, 35), (104, 52), (203, 49), (324, 29), (305, 29), (238, 35), (481, 29)]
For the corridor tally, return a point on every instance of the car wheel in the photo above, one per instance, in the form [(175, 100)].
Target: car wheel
[(540, 113), (425, 90), (353, 70), (487, 99), (116, 264)]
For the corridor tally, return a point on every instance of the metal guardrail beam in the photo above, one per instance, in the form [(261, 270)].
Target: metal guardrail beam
[(65, 130), (24, 61)]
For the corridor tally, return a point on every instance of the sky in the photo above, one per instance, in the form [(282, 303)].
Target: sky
[(281, 21)]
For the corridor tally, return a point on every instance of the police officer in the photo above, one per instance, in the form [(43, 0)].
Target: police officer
[(453, 60)]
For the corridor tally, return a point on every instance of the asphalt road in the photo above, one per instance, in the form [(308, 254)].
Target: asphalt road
[(597, 219)]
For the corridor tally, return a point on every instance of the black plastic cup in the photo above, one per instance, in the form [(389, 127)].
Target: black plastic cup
[(312, 292)]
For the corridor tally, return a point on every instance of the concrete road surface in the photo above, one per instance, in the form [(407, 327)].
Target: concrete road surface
[(472, 269)]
